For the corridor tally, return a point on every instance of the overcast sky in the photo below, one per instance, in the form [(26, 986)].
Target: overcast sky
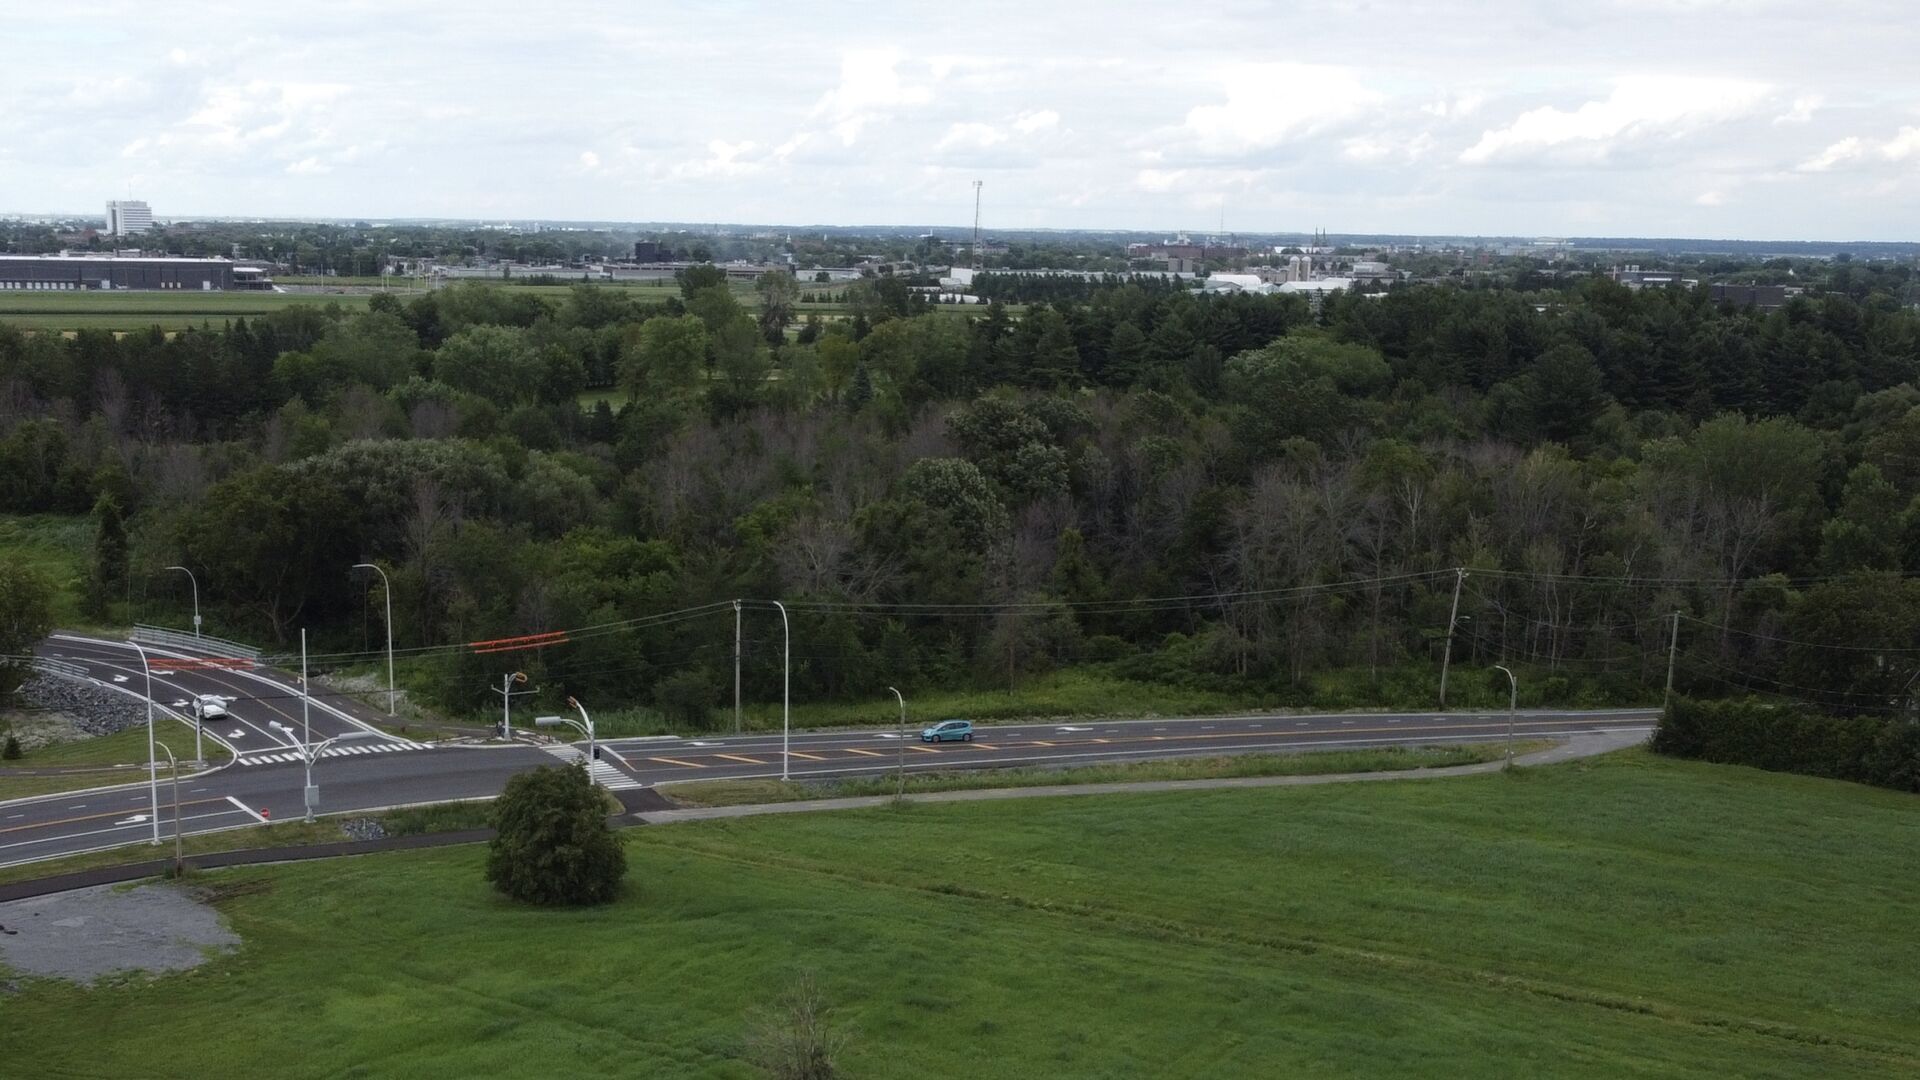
[(1720, 118)]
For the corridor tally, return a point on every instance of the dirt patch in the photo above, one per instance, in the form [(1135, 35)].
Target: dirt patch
[(88, 933)]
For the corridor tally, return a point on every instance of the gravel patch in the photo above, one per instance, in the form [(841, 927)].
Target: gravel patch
[(85, 934), (363, 829), (90, 709)]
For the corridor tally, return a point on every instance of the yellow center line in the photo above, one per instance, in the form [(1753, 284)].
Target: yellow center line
[(1040, 742), (864, 753), (809, 757), (137, 809), (677, 761), (742, 760)]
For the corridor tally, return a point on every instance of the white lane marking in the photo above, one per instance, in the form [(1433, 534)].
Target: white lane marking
[(246, 808), (1393, 720), (1346, 722), (1255, 726), (15, 817), (1206, 727), (882, 735), (1159, 729), (78, 806), (100, 832), (119, 678), (134, 820), (1070, 727), (1299, 723)]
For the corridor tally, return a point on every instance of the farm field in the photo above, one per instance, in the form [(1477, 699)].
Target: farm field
[(1630, 915), (139, 310)]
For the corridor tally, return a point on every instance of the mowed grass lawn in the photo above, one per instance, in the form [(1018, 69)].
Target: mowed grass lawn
[(128, 310), (1627, 917)]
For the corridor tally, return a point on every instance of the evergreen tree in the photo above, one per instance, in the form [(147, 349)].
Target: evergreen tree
[(109, 578)]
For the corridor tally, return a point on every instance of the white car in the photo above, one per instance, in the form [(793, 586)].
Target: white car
[(210, 706)]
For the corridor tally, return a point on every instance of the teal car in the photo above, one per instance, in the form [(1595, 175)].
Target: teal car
[(948, 731)]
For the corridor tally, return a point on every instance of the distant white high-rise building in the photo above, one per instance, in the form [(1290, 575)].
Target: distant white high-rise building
[(128, 217)]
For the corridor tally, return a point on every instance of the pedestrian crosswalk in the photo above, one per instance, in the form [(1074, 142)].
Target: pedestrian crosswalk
[(333, 752), (602, 772)]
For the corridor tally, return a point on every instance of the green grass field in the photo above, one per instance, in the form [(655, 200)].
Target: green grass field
[(127, 747), (1631, 916), (139, 310)]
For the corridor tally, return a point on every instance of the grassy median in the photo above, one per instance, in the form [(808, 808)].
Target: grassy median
[(119, 758), (1627, 916), (1307, 762)]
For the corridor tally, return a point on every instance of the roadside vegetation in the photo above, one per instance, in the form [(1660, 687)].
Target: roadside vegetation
[(1634, 914), (104, 760)]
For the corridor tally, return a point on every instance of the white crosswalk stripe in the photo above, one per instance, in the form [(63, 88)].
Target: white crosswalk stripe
[(395, 746), (603, 773)]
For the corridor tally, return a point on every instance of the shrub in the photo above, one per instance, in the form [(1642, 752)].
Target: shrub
[(1884, 751), (12, 751), (553, 845), (793, 1042)]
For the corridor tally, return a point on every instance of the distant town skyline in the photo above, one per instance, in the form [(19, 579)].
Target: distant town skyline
[(1694, 118)]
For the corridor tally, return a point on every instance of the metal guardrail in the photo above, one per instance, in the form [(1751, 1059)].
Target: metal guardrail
[(176, 639), (59, 667)]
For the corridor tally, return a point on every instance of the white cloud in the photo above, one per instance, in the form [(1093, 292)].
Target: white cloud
[(870, 89), (1902, 146), (1033, 122), (1801, 112), (1710, 198), (1638, 107), (973, 136), (1847, 149), (1267, 104)]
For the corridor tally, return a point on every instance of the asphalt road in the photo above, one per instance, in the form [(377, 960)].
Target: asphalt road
[(244, 794), (373, 771)]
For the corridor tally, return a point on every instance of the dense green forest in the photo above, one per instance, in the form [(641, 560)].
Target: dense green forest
[(1230, 492)]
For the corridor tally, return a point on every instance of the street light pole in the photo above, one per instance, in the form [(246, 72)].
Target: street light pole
[(196, 596), (1513, 704), (153, 766), (903, 743), (387, 589), (310, 754), (306, 715), (786, 691), (584, 725), (174, 764)]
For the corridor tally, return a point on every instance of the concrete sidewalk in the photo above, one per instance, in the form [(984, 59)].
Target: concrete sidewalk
[(1579, 746)]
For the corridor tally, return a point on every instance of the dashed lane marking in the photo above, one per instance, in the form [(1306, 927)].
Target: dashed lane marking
[(741, 758), (677, 761), (924, 749), (864, 753), (809, 757)]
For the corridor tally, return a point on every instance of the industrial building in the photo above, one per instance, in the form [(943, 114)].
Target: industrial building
[(75, 272), (128, 217)]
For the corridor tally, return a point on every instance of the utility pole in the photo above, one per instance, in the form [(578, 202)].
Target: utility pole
[(507, 693), (1673, 652), (1453, 618), (736, 667), (976, 224)]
